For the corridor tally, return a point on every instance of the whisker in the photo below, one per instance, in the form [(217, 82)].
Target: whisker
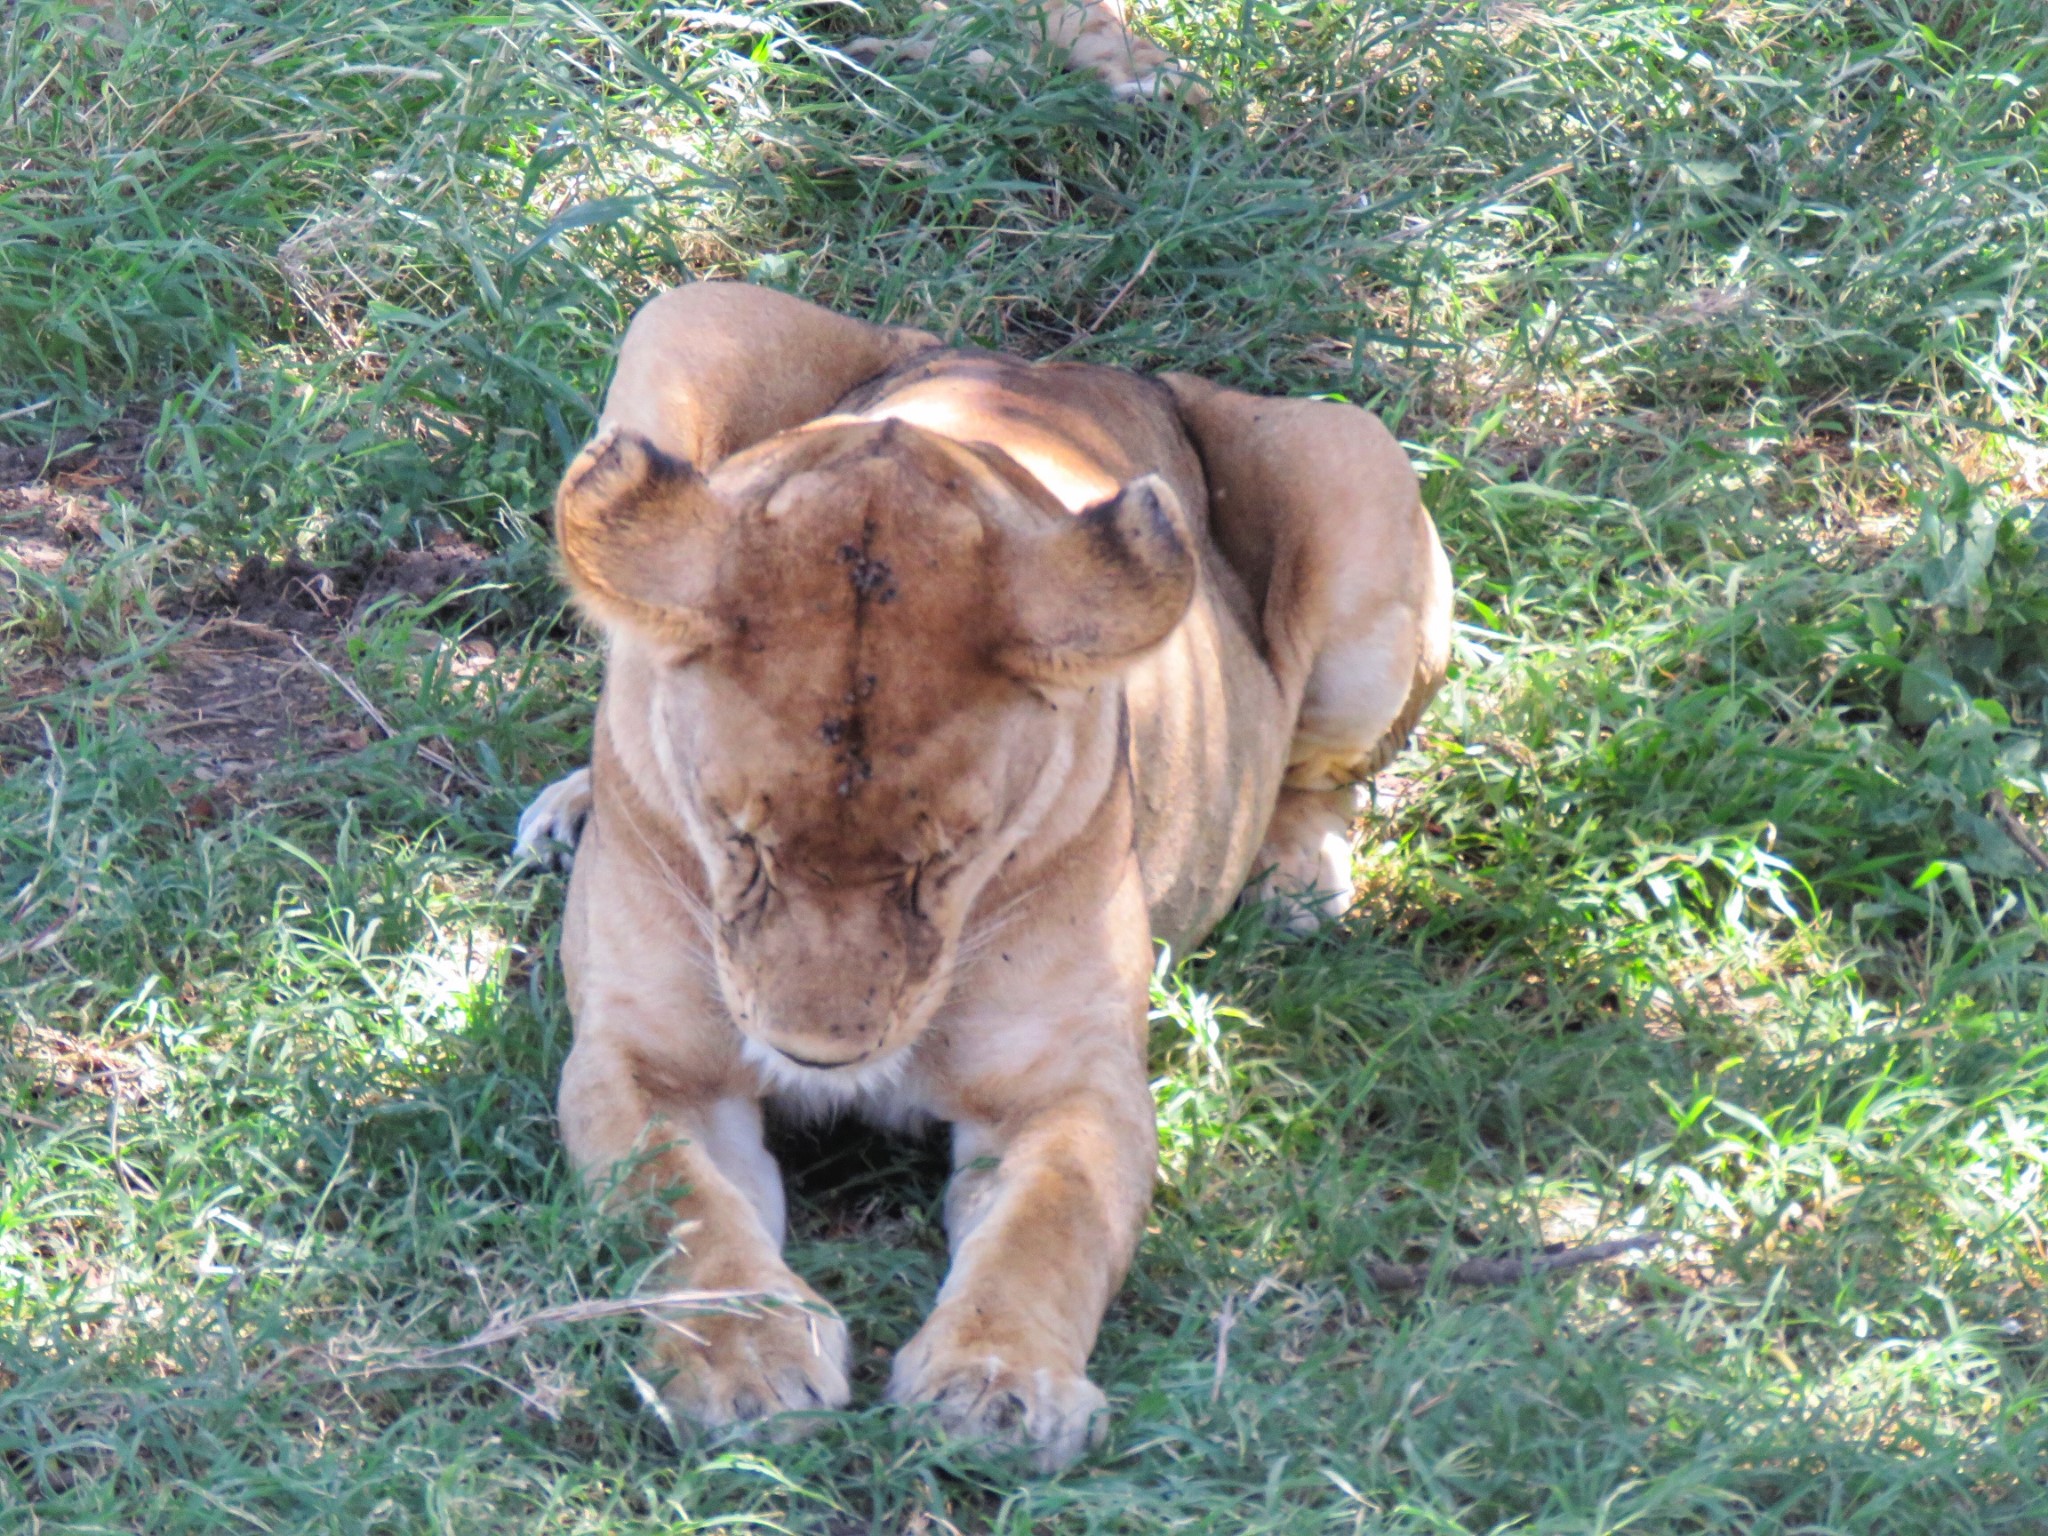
[(698, 954), (979, 938)]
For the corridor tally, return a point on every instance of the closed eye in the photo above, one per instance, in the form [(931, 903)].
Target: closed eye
[(758, 879), (911, 889), (927, 877)]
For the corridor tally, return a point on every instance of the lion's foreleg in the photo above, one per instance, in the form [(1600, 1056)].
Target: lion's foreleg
[(696, 1176), (1044, 1214)]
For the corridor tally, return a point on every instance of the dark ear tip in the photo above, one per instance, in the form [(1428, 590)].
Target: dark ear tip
[(1161, 507), (1146, 511), (1151, 524), (618, 457)]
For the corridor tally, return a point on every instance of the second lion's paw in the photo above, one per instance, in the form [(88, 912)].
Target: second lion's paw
[(550, 826)]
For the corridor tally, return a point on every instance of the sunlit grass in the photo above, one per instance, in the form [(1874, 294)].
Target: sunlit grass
[(1703, 907)]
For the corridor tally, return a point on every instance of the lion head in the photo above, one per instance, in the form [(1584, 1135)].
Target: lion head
[(862, 655)]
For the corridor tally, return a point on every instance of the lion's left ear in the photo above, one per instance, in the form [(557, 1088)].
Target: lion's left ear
[(1091, 594), (638, 532)]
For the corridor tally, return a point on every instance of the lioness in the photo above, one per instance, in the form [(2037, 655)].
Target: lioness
[(938, 685)]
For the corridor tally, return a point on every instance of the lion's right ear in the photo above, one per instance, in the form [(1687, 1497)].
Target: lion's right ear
[(638, 532), (1087, 595)]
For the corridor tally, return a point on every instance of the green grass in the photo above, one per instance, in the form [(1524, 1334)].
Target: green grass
[(1702, 905)]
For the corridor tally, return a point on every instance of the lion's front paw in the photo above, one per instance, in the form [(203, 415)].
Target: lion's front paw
[(1051, 1409), (549, 827), (789, 1356)]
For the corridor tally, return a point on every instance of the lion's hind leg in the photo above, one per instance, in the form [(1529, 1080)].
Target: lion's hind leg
[(1304, 864), (1313, 502), (1098, 38)]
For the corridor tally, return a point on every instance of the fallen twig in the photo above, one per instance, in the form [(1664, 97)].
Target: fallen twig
[(1117, 298), (697, 1303), (445, 763), (346, 1358), (21, 949), (35, 944), (1225, 1320), (2016, 829), (1508, 1268)]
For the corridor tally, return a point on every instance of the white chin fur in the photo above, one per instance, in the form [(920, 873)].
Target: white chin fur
[(872, 1089)]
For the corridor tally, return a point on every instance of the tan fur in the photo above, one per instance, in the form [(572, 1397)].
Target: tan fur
[(899, 767), (1095, 36)]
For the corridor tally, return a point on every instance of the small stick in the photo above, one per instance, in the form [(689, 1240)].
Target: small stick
[(1118, 297), (1224, 1322), (267, 631), (1509, 1268), (446, 764), (376, 1359), (2016, 829), (347, 686), (499, 1329), (21, 949)]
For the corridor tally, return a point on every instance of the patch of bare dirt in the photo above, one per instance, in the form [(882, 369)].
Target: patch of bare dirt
[(27, 684), (41, 524), (110, 455), (295, 597), (254, 686), (236, 699), (62, 1066), (1708, 999), (253, 681)]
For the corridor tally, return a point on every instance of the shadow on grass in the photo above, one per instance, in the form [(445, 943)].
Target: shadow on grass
[(1676, 310)]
